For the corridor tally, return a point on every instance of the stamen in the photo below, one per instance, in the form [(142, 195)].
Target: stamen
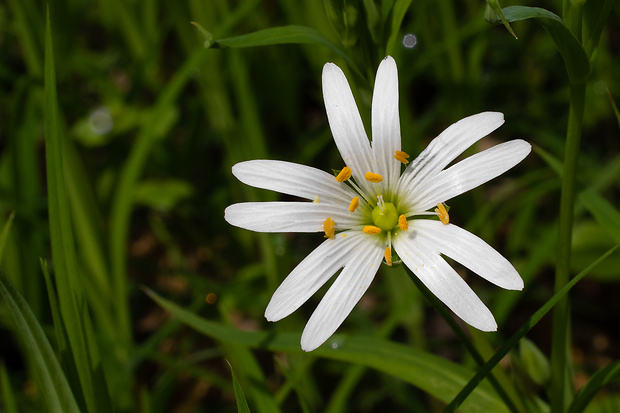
[(380, 203), (371, 229), (388, 256), (373, 177), (344, 174), (329, 227), (401, 157), (442, 212), (403, 223), (316, 200), (355, 202)]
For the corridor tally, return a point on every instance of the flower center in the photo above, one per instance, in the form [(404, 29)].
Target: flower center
[(385, 216)]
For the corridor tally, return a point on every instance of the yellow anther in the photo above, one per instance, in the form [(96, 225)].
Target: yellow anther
[(373, 177), (355, 202), (317, 200), (344, 174), (371, 229), (329, 227), (402, 223), (388, 256), (401, 157), (442, 212)]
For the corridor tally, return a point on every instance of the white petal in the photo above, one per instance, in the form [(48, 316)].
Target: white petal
[(346, 291), (312, 273), (469, 250), (346, 124), (289, 216), (447, 146), (293, 179), (386, 122), (442, 280), (467, 174)]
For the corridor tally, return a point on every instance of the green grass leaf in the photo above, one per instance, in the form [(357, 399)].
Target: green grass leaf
[(285, 35), (4, 235), (575, 59), (519, 334), (603, 212), (6, 390), (610, 373), (76, 320), (242, 404), (434, 375), (51, 381)]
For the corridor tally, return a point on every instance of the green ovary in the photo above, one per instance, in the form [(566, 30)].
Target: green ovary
[(387, 218)]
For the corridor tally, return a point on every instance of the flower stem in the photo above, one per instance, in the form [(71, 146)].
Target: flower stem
[(460, 333), (560, 337)]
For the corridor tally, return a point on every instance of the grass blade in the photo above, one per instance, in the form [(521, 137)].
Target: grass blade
[(603, 211), (282, 35), (49, 376), (520, 333), (594, 384), (71, 297), (575, 59), (4, 235), (242, 404), (437, 376)]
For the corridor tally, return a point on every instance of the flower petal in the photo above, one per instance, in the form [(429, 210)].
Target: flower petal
[(293, 179), (346, 124), (289, 216), (447, 146), (467, 174), (386, 122), (469, 250), (442, 280), (312, 273), (363, 263)]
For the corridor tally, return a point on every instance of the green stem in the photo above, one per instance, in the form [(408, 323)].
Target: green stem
[(561, 313), (460, 333)]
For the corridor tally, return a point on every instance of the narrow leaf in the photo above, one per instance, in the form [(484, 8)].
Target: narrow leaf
[(614, 106), (285, 35), (434, 375), (71, 297), (6, 390), (603, 211), (519, 334), (575, 59), (594, 384), (51, 381), (4, 235), (242, 404), (595, 15), (494, 13), (398, 14)]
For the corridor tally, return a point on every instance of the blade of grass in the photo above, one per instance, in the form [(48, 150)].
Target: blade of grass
[(576, 61), (123, 198), (608, 374), (6, 229), (242, 404), (512, 403), (51, 381), (253, 377), (603, 211), (6, 390), (283, 35), (71, 297), (514, 339), (434, 375)]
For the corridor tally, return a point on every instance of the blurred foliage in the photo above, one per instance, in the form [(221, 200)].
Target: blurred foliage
[(149, 124)]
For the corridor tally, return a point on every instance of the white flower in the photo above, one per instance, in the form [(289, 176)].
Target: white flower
[(371, 208)]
